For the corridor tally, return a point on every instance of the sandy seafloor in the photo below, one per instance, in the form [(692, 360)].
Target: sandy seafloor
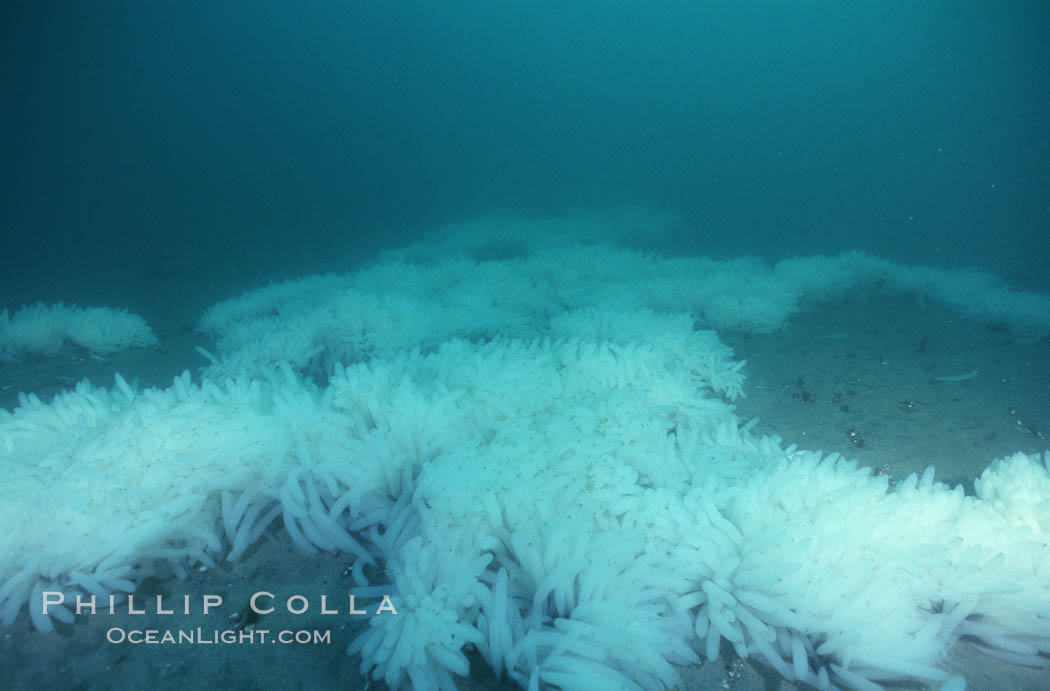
[(860, 372)]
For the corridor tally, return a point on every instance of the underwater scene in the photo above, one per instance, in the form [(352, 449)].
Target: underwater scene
[(544, 345)]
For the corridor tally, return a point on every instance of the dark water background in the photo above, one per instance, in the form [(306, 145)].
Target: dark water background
[(147, 143)]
